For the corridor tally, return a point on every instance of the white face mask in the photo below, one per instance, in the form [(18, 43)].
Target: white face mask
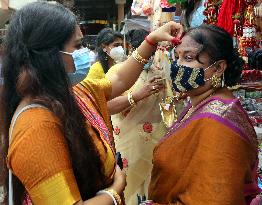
[(117, 54)]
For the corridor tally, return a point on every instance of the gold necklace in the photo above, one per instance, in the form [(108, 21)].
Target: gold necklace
[(193, 109)]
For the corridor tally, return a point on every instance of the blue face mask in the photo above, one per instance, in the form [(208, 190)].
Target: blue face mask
[(82, 62), (186, 78)]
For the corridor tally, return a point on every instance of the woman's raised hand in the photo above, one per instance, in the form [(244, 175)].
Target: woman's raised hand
[(167, 32)]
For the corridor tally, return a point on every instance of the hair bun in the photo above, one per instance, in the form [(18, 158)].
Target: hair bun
[(234, 69)]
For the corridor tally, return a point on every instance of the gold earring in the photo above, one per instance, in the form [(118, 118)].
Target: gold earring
[(215, 81)]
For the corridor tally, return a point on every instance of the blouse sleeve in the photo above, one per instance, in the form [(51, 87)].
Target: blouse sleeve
[(39, 157), (218, 168)]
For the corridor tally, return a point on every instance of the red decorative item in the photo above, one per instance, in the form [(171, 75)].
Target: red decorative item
[(224, 19), (148, 127), (116, 130), (147, 10), (176, 41)]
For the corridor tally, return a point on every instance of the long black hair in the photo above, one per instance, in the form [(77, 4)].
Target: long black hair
[(105, 37), (33, 67), (136, 37), (218, 44)]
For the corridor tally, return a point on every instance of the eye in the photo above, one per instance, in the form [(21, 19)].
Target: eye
[(189, 58)]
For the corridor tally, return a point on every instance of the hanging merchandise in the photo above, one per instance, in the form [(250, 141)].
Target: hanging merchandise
[(236, 17), (170, 5), (211, 11), (141, 8), (248, 42), (163, 13)]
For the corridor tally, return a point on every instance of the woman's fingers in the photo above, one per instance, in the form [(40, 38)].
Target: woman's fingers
[(167, 32)]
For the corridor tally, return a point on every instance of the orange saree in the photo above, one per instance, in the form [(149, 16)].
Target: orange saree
[(209, 158), (38, 154)]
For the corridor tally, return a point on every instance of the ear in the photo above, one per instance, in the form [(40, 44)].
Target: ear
[(103, 47), (221, 66)]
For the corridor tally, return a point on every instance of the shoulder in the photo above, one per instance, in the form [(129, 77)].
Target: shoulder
[(35, 124), (231, 114), (36, 117), (96, 71), (38, 145)]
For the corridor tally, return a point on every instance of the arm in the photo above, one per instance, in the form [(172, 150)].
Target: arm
[(130, 70), (119, 104)]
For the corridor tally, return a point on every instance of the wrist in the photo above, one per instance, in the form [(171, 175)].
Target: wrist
[(118, 189), (150, 41), (131, 99), (137, 96), (152, 38)]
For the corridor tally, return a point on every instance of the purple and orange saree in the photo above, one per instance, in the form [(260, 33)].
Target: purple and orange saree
[(210, 158)]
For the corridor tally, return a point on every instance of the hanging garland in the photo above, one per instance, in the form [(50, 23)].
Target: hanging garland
[(237, 17)]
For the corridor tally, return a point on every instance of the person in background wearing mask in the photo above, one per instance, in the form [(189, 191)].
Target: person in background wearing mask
[(137, 123), (109, 47), (57, 145)]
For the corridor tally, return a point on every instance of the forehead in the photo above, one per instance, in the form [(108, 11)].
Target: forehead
[(188, 45), (118, 40)]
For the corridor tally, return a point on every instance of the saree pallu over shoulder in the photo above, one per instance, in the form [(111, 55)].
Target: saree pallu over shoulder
[(90, 110), (228, 112), (93, 115)]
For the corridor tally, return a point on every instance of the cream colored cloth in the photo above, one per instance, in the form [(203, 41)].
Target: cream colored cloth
[(136, 135)]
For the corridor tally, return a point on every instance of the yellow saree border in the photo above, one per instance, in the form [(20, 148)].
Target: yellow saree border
[(59, 189)]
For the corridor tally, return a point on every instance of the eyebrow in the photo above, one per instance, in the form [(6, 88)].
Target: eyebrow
[(188, 51)]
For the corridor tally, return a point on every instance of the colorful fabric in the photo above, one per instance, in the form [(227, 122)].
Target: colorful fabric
[(214, 158), (85, 101), (38, 154)]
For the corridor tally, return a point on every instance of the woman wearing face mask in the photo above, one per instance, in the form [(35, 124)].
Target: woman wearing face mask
[(60, 149), (209, 156), (110, 51)]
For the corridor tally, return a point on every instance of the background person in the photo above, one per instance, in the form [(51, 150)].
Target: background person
[(109, 47)]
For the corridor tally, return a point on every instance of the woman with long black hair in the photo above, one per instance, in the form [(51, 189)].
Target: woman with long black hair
[(60, 149)]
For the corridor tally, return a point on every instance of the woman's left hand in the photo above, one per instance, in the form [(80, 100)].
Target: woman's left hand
[(152, 86)]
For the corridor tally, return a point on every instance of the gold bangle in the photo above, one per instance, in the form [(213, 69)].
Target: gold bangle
[(116, 196), (139, 58), (131, 99)]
